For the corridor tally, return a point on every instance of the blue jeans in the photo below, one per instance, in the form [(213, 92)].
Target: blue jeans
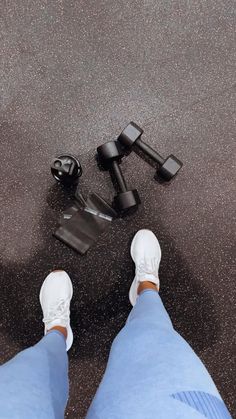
[(151, 373)]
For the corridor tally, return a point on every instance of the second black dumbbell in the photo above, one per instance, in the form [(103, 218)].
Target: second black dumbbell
[(109, 157), (131, 136)]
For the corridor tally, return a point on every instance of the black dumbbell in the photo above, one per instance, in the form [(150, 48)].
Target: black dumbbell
[(109, 156), (66, 169), (131, 136)]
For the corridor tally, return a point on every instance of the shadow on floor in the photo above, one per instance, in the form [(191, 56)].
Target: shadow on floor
[(97, 317)]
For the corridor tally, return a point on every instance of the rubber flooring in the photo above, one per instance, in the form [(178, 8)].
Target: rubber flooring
[(73, 74)]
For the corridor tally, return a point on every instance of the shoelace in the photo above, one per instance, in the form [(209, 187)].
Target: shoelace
[(148, 266), (59, 310)]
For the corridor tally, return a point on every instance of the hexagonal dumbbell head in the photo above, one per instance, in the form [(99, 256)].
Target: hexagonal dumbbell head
[(126, 201), (109, 152), (170, 167), (130, 135)]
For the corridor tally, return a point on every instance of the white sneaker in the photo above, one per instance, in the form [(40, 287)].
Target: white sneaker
[(146, 253), (55, 296)]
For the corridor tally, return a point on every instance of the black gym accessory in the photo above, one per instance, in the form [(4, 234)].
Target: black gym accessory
[(81, 229), (131, 136), (83, 223), (66, 169), (109, 156)]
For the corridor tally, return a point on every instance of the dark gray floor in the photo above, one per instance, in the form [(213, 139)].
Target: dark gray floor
[(73, 74)]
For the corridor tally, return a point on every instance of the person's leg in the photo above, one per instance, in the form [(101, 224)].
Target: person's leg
[(152, 372), (34, 384)]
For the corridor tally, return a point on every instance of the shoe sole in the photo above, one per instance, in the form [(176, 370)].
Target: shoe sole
[(133, 283)]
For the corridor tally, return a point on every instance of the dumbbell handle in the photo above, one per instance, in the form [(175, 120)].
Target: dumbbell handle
[(119, 176), (149, 151)]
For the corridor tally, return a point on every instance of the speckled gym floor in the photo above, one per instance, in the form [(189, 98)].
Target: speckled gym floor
[(73, 74)]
